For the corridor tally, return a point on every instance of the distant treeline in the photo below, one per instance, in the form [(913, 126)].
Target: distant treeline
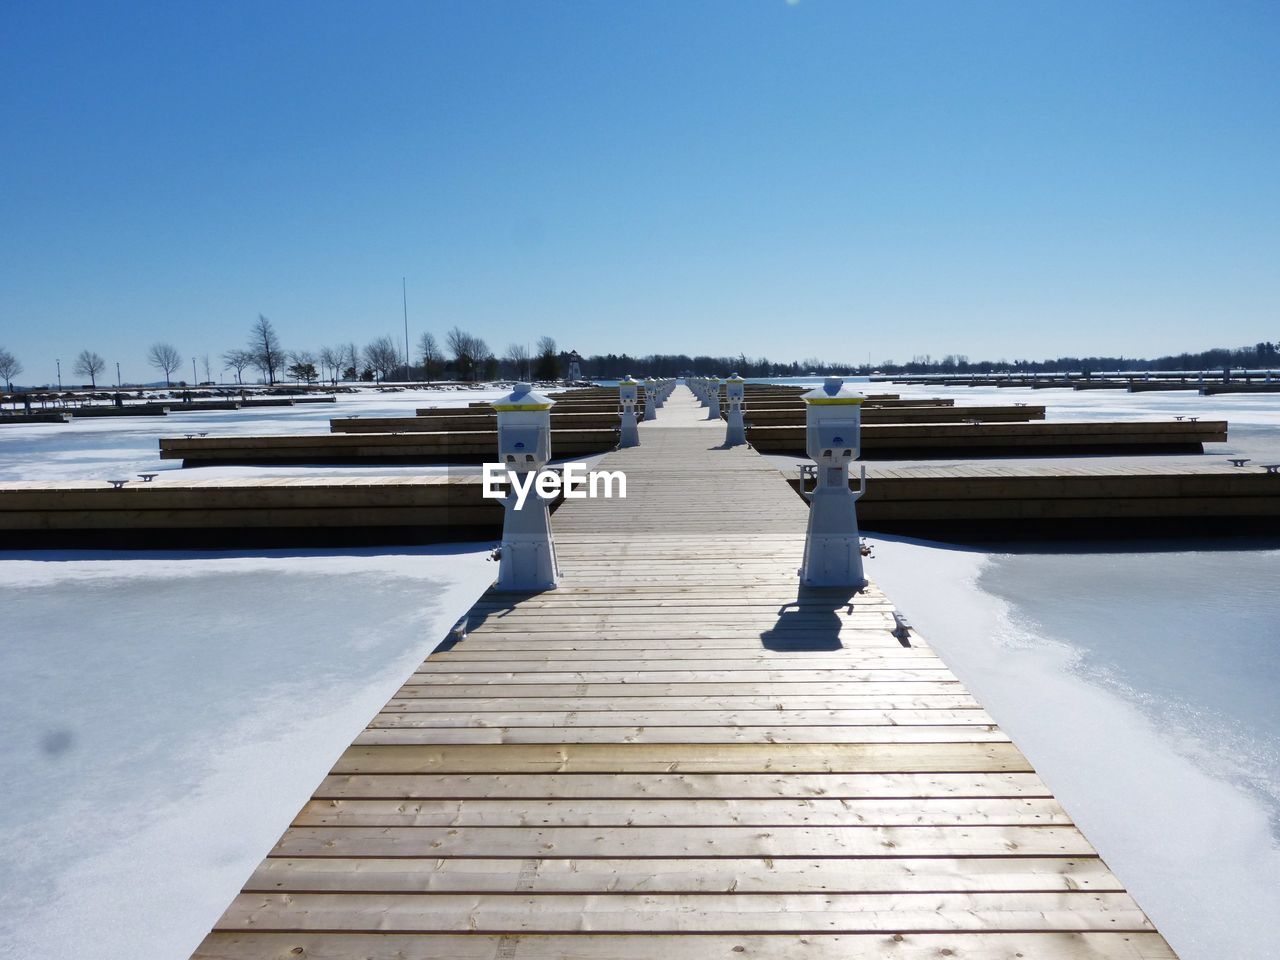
[(460, 355), (1260, 355), (611, 366)]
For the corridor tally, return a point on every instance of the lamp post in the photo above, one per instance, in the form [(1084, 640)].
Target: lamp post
[(59, 363)]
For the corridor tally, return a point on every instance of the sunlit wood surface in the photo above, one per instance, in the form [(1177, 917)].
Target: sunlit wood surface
[(682, 755)]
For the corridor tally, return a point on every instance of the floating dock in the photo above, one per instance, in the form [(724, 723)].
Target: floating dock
[(19, 419), (1270, 386), (952, 502), (934, 413), (440, 447), (880, 440), (998, 501), (475, 419), (246, 511), (681, 754), (898, 441), (1206, 384), (468, 419), (85, 411)]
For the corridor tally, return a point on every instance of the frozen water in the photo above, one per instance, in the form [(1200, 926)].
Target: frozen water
[(1063, 404), (108, 447), (166, 715), (1142, 685)]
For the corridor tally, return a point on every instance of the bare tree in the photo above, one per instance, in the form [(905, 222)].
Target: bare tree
[(89, 364), (265, 347), (382, 356), (165, 358), (9, 368), (432, 356), (239, 361), (331, 359), (548, 365), (459, 344), (518, 357), (468, 352)]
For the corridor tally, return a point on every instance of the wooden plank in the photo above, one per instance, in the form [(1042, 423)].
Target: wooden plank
[(719, 841), (659, 786), (719, 689), (656, 708), (540, 647), (689, 758), (692, 875), (714, 719), (1061, 945), (705, 812), (528, 654), (732, 598), (797, 675), (764, 661), (659, 913), (398, 734)]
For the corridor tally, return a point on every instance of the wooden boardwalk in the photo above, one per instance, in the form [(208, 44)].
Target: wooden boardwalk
[(680, 754)]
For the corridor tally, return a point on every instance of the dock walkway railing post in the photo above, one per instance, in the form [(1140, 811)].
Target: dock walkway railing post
[(628, 394), (713, 398), (651, 401), (528, 556), (735, 430), (832, 547)]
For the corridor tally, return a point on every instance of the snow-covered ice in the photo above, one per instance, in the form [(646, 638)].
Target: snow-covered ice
[(166, 715), (108, 447), (1142, 686)]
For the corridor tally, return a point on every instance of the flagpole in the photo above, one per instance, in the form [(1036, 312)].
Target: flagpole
[(405, 297)]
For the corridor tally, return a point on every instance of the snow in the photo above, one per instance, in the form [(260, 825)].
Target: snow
[(1252, 418), (1141, 685), (166, 715), (1064, 404), (108, 447)]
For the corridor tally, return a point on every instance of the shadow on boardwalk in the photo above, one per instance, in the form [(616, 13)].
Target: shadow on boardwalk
[(811, 621)]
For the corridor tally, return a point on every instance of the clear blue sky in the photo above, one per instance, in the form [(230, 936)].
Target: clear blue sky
[(816, 178)]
